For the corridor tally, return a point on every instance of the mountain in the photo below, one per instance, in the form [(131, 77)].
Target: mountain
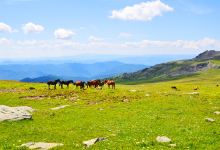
[(66, 70), (175, 69)]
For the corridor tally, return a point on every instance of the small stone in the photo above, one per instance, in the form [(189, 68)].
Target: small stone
[(163, 139), (209, 119), (93, 141), (172, 145), (193, 93), (132, 90), (41, 145), (217, 112), (59, 107), (147, 95)]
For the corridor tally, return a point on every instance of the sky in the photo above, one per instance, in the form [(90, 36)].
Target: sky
[(65, 28)]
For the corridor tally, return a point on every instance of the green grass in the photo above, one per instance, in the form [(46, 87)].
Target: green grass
[(129, 120)]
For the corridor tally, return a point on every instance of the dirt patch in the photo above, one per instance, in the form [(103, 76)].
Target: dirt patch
[(33, 97), (9, 90)]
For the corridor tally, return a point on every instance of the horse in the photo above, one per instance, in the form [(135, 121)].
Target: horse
[(65, 83), (110, 83), (101, 84), (53, 83), (80, 84), (94, 83)]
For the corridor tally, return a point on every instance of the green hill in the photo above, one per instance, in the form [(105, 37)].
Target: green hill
[(130, 117), (175, 69)]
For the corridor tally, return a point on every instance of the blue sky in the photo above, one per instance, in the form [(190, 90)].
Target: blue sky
[(59, 28)]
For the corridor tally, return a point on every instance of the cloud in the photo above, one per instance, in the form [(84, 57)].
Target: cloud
[(63, 48), (32, 28), (4, 41), (63, 33), (5, 28), (144, 11)]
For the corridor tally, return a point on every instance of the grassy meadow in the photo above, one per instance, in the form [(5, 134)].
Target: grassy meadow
[(130, 117)]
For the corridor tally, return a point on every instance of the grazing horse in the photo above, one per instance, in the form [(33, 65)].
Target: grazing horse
[(67, 83), (110, 83), (80, 84), (94, 83), (53, 83), (101, 84)]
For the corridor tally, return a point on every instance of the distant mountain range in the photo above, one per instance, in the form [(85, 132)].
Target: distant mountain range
[(75, 71), (175, 69)]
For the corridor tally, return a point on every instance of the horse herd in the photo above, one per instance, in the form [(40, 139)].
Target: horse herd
[(82, 84)]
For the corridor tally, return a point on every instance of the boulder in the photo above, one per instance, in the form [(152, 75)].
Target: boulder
[(93, 141), (41, 145), (15, 113)]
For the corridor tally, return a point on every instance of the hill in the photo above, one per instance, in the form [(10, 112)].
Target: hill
[(130, 117), (175, 69), (66, 70)]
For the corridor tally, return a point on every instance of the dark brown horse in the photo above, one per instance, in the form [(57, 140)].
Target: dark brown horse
[(80, 84), (110, 83), (53, 83), (93, 83), (67, 83)]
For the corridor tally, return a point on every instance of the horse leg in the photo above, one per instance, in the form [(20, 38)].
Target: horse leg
[(55, 87), (49, 86)]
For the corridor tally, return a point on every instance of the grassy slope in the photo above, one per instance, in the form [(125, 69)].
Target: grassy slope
[(130, 120)]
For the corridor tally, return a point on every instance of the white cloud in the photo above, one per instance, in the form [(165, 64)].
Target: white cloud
[(4, 41), (144, 11), (5, 28), (63, 33), (62, 48), (32, 28)]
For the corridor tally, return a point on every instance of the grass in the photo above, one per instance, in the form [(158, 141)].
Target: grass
[(130, 120)]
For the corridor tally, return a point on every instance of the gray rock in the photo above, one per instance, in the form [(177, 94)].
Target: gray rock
[(217, 112), (93, 141), (132, 90), (15, 113), (193, 93), (209, 119), (59, 107), (163, 139), (41, 145), (172, 145)]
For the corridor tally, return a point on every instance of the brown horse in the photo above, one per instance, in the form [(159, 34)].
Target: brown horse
[(93, 83), (80, 84), (110, 83), (53, 83)]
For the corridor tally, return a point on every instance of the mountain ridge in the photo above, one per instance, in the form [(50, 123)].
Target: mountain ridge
[(175, 69)]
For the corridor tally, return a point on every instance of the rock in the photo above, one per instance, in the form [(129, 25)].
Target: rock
[(93, 141), (209, 119), (217, 112), (15, 113), (193, 93), (132, 90), (59, 107), (41, 145), (172, 145), (147, 95), (163, 139)]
